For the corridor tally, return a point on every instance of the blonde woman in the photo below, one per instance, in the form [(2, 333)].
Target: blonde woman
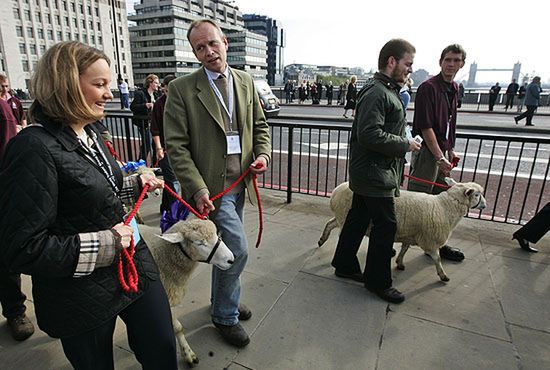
[(62, 219)]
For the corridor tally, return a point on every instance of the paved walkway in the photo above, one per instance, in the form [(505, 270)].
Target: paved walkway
[(493, 314)]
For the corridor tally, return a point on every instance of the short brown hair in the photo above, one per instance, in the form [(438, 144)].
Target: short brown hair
[(453, 48), (396, 48), (55, 84), (3, 77)]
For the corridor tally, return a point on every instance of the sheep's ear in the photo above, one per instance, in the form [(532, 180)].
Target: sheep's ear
[(449, 181), (172, 237), (469, 192)]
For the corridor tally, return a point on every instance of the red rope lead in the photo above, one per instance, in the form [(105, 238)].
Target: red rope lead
[(130, 285), (454, 163)]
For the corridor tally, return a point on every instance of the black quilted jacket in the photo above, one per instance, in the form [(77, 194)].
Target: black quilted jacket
[(48, 194)]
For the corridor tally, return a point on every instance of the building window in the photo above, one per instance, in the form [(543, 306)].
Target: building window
[(66, 21), (16, 14), (50, 35), (58, 20), (22, 49), (75, 22), (32, 48), (30, 32), (38, 16), (65, 6), (85, 39), (19, 31), (42, 49), (67, 36), (25, 65), (89, 10), (49, 18), (59, 35), (96, 12), (73, 7), (99, 40), (28, 15), (40, 33)]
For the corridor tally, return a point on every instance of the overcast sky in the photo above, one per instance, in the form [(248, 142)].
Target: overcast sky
[(495, 33)]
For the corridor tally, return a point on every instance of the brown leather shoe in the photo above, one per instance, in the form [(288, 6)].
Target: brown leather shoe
[(233, 334), (20, 327), (390, 294), (244, 312)]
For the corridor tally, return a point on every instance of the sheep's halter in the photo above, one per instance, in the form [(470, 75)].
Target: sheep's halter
[(132, 284)]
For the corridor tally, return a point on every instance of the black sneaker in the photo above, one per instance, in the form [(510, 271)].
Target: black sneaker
[(450, 253), (20, 327), (244, 312), (357, 276), (390, 294)]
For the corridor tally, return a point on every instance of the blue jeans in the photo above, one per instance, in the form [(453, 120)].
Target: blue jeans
[(226, 285)]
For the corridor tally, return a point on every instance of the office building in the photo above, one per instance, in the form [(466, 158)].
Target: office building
[(276, 40), (159, 37), (29, 27)]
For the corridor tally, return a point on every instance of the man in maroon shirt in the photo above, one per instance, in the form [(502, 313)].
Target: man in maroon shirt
[(14, 103), (11, 297), (435, 111)]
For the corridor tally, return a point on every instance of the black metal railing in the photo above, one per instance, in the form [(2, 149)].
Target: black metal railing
[(311, 158)]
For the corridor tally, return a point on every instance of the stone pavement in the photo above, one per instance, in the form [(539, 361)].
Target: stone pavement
[(492, 314)]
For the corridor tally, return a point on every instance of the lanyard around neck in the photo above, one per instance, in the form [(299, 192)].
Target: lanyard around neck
[(100, 161)]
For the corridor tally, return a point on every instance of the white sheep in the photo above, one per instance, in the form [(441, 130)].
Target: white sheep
[(422, 219), (177, 253)]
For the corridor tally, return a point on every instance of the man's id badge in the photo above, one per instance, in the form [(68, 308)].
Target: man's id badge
[(233, 143)]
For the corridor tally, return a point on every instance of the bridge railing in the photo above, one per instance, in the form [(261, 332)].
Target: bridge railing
[(313, 159)]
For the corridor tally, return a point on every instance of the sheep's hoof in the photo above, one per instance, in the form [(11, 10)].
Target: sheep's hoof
[(320, 243), (444, 278), (401, 267), (194, 361)]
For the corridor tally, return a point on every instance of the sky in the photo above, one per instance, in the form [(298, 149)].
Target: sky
[(350, 33)]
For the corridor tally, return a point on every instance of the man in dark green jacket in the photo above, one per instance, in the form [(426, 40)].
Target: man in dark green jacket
[(378, 147)]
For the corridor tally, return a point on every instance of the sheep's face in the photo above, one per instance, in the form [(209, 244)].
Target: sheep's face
[(198, 238), (474, 192)]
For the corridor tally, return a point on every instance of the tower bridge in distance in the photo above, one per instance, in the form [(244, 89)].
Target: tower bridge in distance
[(515, 73)]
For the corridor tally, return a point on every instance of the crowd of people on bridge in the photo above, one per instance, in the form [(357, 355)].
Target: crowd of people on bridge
[(65, 201)]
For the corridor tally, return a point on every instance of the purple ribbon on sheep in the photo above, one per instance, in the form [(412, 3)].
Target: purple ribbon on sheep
[(132, 167), (177, 212)]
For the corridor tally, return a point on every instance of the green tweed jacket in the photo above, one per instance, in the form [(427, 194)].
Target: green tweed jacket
[(195, 136)]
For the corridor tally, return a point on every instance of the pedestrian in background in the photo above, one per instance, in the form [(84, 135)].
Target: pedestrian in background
[(511, 92), (493, 95), (378, 148), (62, 219), (157, 130), (461, 95), (124, 94), (12, 298), (351, 97), (142, 106), (532, 98), (435, 114), (215, 130), (521, 96), (330, 92), (14, 102)]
